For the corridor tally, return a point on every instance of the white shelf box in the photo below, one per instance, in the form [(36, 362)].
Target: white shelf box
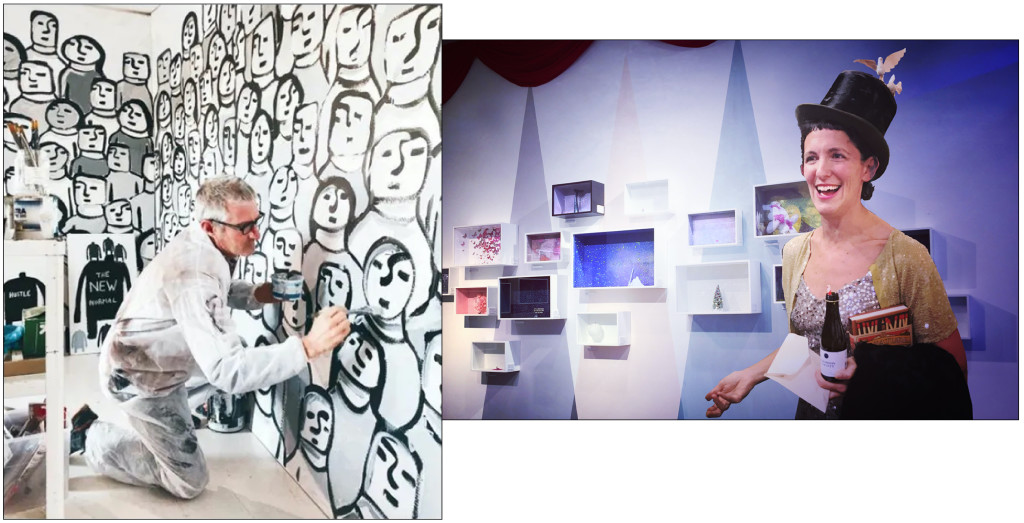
[(739, 282), (614, 260), (577, 199), (495, 356), (715, 228), (649, 198), (545, 247), (783, 210), (476, 301), (778, 293), (961, 304), (600, 329), (447, 282), (482, 245), (531, 297)]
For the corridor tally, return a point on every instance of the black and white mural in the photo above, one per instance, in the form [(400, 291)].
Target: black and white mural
[(95, 121), (331, 113)]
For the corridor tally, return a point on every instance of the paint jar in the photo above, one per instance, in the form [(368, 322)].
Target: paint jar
[(286, 286), (226, 412)]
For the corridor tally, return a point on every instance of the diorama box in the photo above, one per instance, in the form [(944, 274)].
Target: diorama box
[(482, 245), (614, 259), (736, 283), (531, 297), (783, 210), (577, 199)]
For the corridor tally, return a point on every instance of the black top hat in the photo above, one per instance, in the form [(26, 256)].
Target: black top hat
[(860, 102)]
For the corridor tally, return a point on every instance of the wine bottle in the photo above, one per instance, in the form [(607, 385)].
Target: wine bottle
[(835, 344)]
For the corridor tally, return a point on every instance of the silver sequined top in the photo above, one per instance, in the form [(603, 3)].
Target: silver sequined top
[(809, 311)]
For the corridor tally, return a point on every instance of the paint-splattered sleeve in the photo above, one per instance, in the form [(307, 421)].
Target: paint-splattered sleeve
[(205, 321), (241, 296)]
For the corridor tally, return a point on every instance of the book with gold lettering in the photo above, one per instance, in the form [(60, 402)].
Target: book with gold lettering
[(889, 326)]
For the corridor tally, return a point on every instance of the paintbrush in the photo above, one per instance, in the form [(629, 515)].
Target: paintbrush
[(35, 142), (21, 142)]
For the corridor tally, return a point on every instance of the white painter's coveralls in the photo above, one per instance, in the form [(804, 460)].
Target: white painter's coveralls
[(175, 327)]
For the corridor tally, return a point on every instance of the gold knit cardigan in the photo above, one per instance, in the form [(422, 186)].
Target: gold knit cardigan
[(903, 273)]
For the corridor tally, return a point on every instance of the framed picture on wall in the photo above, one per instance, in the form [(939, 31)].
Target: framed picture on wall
[(101, 271)]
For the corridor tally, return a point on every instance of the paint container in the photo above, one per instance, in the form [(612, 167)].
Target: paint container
[(226, 412), (287, 286)]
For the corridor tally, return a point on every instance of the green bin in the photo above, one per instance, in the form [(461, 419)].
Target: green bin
[(34, 342)]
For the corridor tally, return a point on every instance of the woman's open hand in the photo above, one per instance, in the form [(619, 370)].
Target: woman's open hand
[(732, 389)]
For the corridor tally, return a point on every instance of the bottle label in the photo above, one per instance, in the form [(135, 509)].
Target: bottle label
[(832, 362)]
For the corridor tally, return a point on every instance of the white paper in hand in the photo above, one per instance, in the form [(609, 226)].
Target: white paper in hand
[(794, 367)]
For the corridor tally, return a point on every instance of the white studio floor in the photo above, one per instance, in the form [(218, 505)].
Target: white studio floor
[(245, 480)]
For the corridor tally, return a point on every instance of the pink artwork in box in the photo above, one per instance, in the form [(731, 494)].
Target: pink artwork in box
[(545, 249), (484, 243)]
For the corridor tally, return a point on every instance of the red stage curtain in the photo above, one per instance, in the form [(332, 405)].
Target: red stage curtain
[(526, 63)]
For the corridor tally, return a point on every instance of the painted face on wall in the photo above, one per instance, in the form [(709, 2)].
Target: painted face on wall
[(211, 124), (248, 103), (92, 139), (288, 98), (261, 141), (90, 195), (82, 50), (179, 164), (166, 192), (294, 313), (191, 98), (168, 227), (103, 96), (388, 281), (360, 362), (57, 157), (282, 189), (150, 167), (163, 108), (210, 166), (118, 157), (118, 213), (432, 374), (263, 48), (147, 249), (333, 286), (163, 67), (183, 204), (228, 19), (250, 16), (355, 35), (392, 477), (226, 82), (413, 39), (205, 89), (398, 165), (178, 123), (194, 147), (189, 31), (195, 59), (44, 29), (135, 66), (332, 207), (218, 51), (227, 141), (209, 18), (176, 73), (256, 268), (351, 117), (12, 54), (166, 149), (133, 117), (317, 428), (307, 29), (35, 78), (62, 114), (287, 256), (304, 135)]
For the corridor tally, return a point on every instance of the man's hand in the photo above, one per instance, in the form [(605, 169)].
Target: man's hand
[(265, 294), (330, 328)]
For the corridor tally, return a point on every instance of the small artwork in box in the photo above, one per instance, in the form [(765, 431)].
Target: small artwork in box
[(786, 209), (525, 297), (614, 259), (544, 248), (481, 245)]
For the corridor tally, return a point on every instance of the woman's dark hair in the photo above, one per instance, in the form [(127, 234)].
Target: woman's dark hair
[(868, 188)]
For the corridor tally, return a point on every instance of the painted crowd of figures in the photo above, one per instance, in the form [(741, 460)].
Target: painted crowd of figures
[(331, 114)]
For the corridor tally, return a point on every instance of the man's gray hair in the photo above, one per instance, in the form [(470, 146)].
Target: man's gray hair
[(215, 193)]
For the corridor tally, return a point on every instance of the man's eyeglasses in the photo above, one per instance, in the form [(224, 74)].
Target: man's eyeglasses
[(244, 228)]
